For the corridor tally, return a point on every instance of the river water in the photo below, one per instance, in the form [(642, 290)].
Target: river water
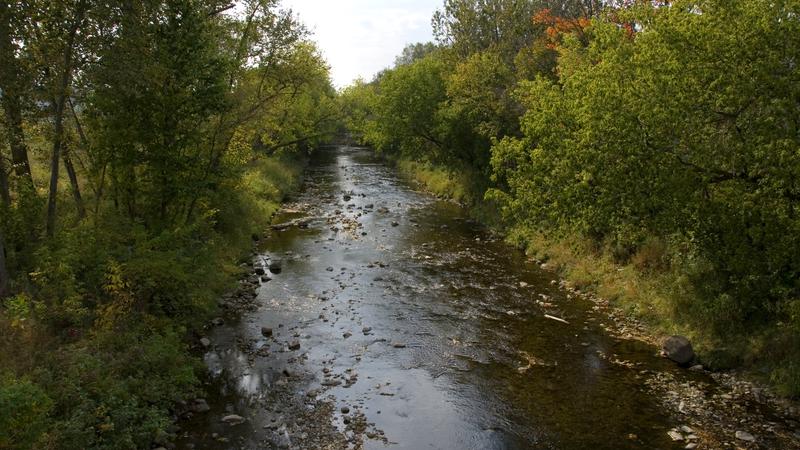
[(426, 330)]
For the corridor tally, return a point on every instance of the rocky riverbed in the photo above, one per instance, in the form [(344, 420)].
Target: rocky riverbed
[(375, 316)]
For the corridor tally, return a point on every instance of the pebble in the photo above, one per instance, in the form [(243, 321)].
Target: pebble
[(205, 342), (745, 436), (674, 435), (233, 419)]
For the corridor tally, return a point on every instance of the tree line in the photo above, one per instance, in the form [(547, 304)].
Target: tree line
[(141, 145), (664, 133)]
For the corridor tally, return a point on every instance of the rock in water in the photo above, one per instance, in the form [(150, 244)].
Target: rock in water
[(233, 419), (678, 349), (205, 342), (266, 331), (294, 345), (275, 265), (260, 271), (200, 406)]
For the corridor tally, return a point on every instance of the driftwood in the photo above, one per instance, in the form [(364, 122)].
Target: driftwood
[(557, 319), (299, 223)]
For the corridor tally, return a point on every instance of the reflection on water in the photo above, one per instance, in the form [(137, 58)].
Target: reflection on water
[(432, 329)]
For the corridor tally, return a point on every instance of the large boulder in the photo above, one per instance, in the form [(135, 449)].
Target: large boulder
[(678, 349)]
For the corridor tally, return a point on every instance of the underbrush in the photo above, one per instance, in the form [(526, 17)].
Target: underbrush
[(96, 346)]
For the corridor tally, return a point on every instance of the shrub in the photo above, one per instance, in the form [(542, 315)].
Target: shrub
[(24, 412)]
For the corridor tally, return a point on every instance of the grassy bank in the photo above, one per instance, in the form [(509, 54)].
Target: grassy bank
[(460, 186), (651, 286), (654, 287), (437, 180), (98, 350)]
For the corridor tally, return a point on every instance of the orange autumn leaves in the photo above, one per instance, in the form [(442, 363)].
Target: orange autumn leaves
[(557, 26)]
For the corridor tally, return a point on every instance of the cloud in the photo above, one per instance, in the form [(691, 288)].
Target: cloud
[(359, 37)]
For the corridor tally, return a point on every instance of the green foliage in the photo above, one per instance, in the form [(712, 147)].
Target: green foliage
[(187, 123), (24, 411), (656, 135), (113, 396), (414, 52), (662, 134)]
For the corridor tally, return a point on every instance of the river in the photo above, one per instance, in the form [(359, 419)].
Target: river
[(418, 330)]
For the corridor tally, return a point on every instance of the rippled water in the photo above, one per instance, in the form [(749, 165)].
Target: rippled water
[(460, 354)]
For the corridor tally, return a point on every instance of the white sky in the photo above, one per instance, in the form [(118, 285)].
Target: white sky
[(361, 37)]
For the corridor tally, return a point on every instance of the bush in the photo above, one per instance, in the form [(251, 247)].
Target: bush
[(24, 413)]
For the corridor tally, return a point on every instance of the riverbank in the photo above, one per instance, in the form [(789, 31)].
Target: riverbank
[(113, 380), (645, 290)]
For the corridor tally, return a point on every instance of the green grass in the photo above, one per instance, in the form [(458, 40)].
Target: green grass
[(437, 180)]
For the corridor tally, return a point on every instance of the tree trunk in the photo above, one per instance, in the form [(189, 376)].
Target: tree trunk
[(54, 160), (73, 181), (11, 99), (5, 192), (5, 280), (59, 103)]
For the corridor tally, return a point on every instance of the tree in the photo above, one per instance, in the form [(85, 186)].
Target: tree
[(414, 52), (13, 83), (470, 26), (408, 108), (653, 133), (67, 18), (5, 278)]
